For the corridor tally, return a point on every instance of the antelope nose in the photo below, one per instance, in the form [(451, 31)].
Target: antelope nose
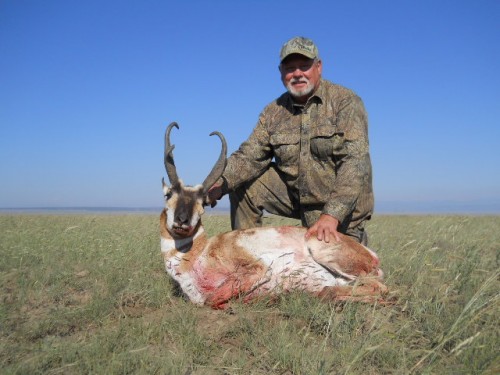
[(182, 218)]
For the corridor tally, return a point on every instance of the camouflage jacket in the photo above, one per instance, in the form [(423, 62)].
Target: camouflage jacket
[(320, 148)]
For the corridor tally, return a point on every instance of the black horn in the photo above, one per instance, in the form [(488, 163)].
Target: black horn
[(169, 156), (219, 166)]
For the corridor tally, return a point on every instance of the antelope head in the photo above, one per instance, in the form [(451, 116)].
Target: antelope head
[(185, 204)]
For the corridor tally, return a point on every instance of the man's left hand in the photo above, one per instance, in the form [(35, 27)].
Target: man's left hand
[(326, 229)]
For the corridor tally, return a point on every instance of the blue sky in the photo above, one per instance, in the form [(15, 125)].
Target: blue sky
[(88, 87)]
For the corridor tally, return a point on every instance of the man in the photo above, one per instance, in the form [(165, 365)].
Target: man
[(307, 157)]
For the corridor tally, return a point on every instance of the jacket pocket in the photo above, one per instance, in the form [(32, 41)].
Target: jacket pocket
[(326, 142), (286, 148)]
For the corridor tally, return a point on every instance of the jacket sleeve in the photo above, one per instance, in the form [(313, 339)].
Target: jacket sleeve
[(251, 159), (352, 159)]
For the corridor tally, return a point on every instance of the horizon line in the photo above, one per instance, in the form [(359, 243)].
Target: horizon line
[(396, 209)]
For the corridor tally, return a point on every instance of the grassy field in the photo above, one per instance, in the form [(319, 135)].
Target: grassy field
[(88, 294)]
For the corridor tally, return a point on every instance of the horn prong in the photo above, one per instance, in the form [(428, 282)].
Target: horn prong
[(219, 166)]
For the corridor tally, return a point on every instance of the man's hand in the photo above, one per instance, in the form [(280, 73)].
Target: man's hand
[(214, 194), (326, 228)]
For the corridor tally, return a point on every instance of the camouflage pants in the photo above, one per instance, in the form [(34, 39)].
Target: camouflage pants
[(270, 193)]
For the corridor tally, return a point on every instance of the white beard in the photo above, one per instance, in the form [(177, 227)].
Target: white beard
[(300, 93)]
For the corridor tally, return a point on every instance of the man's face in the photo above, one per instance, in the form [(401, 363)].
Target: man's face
[(301, 76)]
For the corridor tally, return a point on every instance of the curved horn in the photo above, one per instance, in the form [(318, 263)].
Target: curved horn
[(169, 156), (219, 166)]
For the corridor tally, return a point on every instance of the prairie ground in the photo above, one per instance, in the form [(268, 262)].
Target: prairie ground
[(88, 294)]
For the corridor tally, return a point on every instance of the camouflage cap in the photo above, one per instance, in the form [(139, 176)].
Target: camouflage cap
[(300, 45)]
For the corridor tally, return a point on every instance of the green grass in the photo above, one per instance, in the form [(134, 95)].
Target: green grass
[(88, 294)]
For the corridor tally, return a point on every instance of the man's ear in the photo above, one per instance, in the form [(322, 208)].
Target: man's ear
[(320, 66)]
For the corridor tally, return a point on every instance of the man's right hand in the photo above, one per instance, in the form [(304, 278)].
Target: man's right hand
[(214, 194)]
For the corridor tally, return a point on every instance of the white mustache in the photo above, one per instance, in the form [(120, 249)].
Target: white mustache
[(299, 80)]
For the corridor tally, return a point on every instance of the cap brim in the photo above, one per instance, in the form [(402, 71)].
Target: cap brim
[(308, 55)]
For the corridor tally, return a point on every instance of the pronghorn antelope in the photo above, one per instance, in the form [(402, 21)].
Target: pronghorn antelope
[(255, 262)]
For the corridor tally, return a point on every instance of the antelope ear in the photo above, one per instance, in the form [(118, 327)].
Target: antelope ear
[(166, 189)]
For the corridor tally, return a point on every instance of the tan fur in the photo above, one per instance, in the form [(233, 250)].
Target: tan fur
[(347, 257)]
